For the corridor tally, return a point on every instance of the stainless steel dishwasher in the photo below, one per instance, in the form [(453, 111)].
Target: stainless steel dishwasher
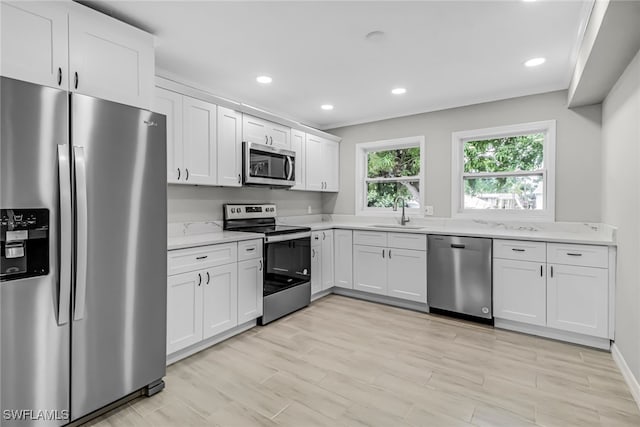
[(459, 275)]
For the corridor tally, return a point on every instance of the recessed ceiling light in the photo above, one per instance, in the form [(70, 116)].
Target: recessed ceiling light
[(398, 91), (327, 107), (375, 36), (264, 79), (534, 62), (528, 1)]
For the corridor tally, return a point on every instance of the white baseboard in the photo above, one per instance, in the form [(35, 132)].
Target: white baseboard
[(546, 332), (631, 380), (381, 299)]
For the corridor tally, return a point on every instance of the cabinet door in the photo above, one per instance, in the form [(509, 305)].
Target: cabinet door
[(249, 290), (113, 60), (254, 130), (313, 164), (316, 269), (407, 278), (229, 147), (577, 299), (343, 258), (279, 135), (220, 299), (327, 259), (199, 141), (520, 291), (170, 104), (331, 163), (34, 42), (184, 310), (370, 269), (298, 145)]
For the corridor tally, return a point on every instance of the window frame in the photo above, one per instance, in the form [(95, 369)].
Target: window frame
[(362, 149), (548, 172)]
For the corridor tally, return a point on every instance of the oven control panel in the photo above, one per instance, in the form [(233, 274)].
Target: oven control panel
[(237, 211)]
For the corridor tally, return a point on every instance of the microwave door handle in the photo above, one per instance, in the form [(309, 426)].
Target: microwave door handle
[(81, 232), (290, 163), (66, 218)]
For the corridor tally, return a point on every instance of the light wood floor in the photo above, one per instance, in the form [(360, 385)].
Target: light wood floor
[(345, 362)]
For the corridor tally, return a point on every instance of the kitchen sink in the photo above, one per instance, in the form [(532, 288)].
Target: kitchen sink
[(399, 227)]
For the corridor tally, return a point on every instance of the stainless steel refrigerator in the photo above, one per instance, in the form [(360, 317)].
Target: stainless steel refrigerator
[(83, 253)]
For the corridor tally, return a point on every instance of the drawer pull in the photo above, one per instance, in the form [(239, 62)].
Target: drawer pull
[(250, 249), (203, 257), (517, 250), (573, 254), (456, 246)]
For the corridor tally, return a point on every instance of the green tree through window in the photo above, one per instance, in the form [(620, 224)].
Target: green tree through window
[(393, 173)]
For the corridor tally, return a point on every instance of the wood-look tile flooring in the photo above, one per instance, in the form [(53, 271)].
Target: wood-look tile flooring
[(345, 362)]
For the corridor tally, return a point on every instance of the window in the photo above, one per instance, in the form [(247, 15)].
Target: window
[(505, 173), (389, 169)]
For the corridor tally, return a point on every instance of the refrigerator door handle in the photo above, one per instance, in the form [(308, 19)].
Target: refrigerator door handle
[(66, 224), (81, 233)]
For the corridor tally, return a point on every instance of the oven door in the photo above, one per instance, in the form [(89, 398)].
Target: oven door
[(265, 165), (288, 262)]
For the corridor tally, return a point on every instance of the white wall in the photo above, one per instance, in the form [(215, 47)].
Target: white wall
[(197, 203), (578, 180), (621, 203)]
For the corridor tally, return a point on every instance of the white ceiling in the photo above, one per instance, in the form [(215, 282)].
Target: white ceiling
[(445, 53)]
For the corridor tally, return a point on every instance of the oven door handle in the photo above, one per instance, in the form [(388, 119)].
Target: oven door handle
[(286, 237)]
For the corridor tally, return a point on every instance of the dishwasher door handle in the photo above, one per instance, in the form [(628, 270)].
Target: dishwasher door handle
[(456, 246)]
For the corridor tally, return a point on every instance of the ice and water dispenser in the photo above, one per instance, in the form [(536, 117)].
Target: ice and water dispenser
[(24, 243)]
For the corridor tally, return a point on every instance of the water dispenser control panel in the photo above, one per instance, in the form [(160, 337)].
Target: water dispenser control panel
[(24, 243)]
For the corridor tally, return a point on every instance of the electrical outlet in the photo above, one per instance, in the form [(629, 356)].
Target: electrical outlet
[(428, 210)]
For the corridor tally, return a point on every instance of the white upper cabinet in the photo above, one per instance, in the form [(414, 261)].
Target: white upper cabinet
[(298, 145), (170, 104), (69, 46), (109, 59), (35, 42), (265, 132), (322, 164), (199, 129), (229, 156)]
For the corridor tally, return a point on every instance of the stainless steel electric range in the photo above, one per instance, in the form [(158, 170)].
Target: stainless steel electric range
[(287, 258)]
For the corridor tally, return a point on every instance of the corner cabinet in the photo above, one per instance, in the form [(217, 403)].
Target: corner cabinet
[(70, 46), (322, 164), (229, 153)]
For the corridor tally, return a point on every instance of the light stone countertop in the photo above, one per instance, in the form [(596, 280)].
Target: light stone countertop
[(189, 235)]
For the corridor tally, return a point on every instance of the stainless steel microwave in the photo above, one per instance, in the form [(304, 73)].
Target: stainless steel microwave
[(268, 166)]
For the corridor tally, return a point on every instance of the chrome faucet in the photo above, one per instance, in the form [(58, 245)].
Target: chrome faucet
[(404, 219)]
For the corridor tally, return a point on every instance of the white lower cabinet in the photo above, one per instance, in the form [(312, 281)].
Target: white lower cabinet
[(343, 258), (369, 269), (407, 272), (322, 267), (184, 310), (398, 269), (250, 283), (560, 286), (220, 296), (577, 299), (520, 291)]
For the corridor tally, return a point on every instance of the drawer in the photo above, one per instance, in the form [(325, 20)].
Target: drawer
[(370, 238), (407, 241), (583, 255), (185, 260), (249, 249), (520, 250)]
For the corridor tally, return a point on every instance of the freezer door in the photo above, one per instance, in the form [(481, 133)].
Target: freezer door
[(34, 315), (119, 295)]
